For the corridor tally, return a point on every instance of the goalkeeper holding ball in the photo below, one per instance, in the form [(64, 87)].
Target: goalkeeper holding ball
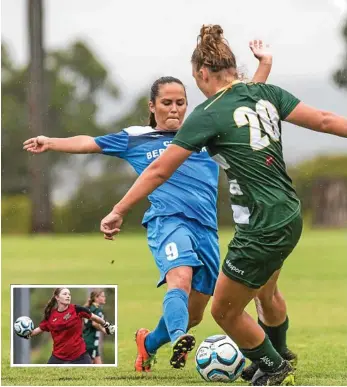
[(64, 321)]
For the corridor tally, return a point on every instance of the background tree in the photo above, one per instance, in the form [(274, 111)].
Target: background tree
[(340, 75)]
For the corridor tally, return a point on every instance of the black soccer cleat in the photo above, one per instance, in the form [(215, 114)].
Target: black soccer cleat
[(291, 357), (283, 376), (248, 373), (180, 349)]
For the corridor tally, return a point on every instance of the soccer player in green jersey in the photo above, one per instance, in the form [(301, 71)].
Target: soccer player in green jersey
[(93, 330), (240, 124)]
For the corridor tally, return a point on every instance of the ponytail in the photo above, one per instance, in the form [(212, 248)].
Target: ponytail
[(50, 305), (152, 121)]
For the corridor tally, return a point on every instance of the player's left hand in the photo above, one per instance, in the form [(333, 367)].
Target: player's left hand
[(260, 51), (111, 224)]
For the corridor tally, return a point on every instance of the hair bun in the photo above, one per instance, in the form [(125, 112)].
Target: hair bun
[(211, 32)]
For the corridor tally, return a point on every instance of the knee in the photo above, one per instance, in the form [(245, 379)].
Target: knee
[(195, 320), (266, 299), (181, 278), (224, 313)]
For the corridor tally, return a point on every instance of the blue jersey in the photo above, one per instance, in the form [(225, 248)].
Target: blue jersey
[(191, 191)]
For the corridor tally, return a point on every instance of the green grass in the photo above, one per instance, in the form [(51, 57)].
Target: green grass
[(314, 283)]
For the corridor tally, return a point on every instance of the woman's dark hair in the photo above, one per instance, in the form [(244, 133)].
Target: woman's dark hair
[(212, 50), (52, 302), (93, 295), (155, 91)]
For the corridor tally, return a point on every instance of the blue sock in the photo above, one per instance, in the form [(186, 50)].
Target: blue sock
[(158, 337), (176, 314)]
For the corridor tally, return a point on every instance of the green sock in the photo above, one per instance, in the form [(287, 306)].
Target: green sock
[(265, 355), (277, 335)]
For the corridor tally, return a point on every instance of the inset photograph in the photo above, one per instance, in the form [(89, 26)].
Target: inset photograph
[(63, 325)]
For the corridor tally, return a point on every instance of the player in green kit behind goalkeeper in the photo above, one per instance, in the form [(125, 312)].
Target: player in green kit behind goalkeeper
[(92, 331)]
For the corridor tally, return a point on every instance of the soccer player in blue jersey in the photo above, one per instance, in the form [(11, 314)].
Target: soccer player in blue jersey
[(181, 222)]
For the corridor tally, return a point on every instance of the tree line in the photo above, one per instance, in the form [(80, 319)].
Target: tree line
[(77, 83)]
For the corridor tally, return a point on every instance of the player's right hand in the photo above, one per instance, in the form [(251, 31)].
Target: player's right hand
[(37, 144), (260, 51), (110, 329), (111, 224), (27, 337)]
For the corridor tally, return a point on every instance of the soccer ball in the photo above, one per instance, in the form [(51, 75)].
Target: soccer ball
[(23, 326), (218, 359)]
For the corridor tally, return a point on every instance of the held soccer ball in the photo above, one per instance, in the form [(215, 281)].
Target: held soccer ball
[(218, 359), (23, 326)]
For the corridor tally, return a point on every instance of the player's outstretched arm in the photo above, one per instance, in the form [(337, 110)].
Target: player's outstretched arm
[(263, 54), (99, 327), (35, 332), (76, 144), (318, 120)]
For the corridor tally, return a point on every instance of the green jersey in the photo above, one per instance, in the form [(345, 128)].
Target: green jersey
[(241, 128), (90, 334)]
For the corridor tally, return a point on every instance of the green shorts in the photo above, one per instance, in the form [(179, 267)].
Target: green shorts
[(252, 259), (93, 352)]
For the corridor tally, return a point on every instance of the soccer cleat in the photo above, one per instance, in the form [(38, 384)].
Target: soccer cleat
[(291, 357), (180, 349), (283, 376), (248, 373), (144, 360)]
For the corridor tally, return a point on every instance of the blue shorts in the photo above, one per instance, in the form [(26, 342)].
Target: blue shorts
[(178, 241)]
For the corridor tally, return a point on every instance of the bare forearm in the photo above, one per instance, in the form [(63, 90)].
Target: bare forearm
[(99, 327), (334, 124), (97, 319), (76, 144), (318, 120), (36, 332), (263, 70)]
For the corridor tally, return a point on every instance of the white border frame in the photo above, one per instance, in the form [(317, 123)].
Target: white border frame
[(115, 287)]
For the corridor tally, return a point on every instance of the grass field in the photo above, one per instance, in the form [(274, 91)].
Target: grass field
[(314, 282)]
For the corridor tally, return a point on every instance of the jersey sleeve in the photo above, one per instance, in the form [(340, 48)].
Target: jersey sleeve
[(83, 312), (44, 326), (196, 132), (285, 101), (114, 144)]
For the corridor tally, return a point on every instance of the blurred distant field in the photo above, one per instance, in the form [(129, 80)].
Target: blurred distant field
[(314, 281)]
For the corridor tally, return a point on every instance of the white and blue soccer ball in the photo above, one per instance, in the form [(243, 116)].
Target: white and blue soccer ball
[(23, 326), (218, 359)]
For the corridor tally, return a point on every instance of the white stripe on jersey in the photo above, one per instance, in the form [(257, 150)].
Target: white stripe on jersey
[(138, 130)]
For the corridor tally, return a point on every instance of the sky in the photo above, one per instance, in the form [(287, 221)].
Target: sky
[(142, 40)]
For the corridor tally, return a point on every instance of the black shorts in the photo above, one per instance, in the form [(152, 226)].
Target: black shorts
[(83, 359)]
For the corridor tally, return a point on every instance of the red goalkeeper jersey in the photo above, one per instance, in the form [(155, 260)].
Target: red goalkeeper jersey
[(66, 330)]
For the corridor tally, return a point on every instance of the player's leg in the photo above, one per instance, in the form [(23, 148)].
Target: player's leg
[(204, 278), (159, 336), (172, 245), (97, 360), (95, 355), (196, 306), (230, 299), (272, 317), (252, 261)]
